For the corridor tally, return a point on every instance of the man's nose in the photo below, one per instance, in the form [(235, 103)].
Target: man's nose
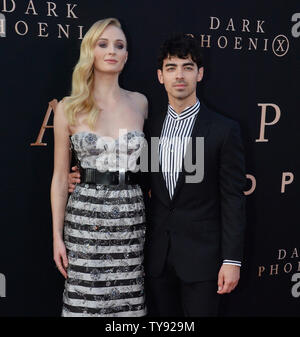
[(179, 74)]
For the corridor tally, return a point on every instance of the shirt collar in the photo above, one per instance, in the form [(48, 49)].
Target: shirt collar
[(188, 112)]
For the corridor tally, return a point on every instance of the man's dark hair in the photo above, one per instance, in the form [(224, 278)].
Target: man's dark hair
[(180, 45)]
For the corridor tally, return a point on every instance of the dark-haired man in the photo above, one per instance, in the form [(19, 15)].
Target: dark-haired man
[(194, 242)]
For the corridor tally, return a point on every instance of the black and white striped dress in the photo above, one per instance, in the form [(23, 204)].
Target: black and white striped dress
[(104, 233)]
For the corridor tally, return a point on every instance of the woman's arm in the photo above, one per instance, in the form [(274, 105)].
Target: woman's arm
[(59, 185)]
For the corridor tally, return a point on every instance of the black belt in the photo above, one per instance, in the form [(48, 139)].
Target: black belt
[(93, 176)]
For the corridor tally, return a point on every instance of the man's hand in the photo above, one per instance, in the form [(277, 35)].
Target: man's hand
[(228, 278), (74, 178)]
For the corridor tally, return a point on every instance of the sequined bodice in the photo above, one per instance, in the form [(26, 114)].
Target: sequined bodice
[(108, 154)]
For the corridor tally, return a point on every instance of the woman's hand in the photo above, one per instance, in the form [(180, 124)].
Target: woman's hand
[(60, 256)]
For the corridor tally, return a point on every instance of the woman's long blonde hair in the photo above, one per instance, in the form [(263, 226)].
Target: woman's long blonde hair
[(81, 97)]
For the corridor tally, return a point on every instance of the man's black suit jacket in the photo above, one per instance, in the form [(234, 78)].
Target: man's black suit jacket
[(204, 222)]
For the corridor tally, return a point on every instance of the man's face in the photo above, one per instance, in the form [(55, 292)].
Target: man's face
[(179, 76)]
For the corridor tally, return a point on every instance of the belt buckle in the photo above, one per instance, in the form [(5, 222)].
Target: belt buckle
[(122, 177), (90, 176)]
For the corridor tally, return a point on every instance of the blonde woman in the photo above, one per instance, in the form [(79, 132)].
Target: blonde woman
[(98, 233)]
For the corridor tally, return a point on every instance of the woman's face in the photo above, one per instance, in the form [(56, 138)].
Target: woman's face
[(110, 50)]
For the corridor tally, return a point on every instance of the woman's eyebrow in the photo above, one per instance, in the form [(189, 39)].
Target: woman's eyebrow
[(102, 38)]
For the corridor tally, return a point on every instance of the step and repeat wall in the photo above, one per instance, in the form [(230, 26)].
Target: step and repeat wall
[(251, 74)]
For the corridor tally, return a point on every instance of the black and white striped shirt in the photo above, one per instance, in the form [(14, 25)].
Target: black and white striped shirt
[(176, 130), (175, 135)]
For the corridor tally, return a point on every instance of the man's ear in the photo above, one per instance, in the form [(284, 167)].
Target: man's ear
[(200, 74), (160, 76)]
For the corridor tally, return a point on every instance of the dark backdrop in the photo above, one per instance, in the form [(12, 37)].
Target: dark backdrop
[(244, 70)]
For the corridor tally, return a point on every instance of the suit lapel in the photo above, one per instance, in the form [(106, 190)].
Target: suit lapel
[(200, 129)]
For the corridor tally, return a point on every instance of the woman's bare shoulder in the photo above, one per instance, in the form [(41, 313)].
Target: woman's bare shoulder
[(60, 115), (139, 96), (140, 100)]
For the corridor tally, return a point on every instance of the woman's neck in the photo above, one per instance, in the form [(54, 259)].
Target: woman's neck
[(106, 87)]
